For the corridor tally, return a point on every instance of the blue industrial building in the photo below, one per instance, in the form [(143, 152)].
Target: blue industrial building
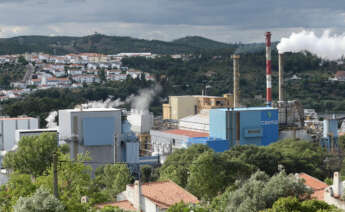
[(330, 134), (217, 144), (241, 126)]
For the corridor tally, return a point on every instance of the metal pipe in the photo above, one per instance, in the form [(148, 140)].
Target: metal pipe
[(268, 70), (236, 71), (281, 77)]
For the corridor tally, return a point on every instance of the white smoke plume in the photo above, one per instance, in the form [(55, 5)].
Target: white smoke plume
[(51, 123), (142, 101), (108, 103), (326, 46)]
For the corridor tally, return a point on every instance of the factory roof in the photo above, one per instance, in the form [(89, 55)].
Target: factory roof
[(38, 130), (246, 108), (15, 118), (92, 110), (188, 133)]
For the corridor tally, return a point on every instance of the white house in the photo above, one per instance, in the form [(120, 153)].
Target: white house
[(151, 197)]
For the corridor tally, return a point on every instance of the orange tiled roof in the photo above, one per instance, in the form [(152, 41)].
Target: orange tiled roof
[(125, 205), (163, 194), (317, 185), (189, 133), (166, 193)]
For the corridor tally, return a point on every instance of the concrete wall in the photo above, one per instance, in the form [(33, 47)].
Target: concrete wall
[(182, 106)]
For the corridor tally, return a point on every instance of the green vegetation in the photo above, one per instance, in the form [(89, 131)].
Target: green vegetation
[(287, 204), (11, 72), (101, 44), (259, 192), (41, 200), (33, 156), (231, 181)]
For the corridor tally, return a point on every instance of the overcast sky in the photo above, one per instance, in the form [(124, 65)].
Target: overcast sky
[(222, 20)]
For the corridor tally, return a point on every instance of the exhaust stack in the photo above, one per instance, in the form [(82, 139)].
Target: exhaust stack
[(281, 77), (236, 70), (268, 70)]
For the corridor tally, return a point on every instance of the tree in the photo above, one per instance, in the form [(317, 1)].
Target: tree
[(42, 200), (74, 181), (287, 204), (176, 167), (211, 173), (262, 158), (148, 174), (33, 156), (19, 185), (182, 207), (260, 192), (112, 179), (301, 156), (22, 60)]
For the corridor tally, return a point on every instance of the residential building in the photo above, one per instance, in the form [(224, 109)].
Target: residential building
[(315, 184), (151, 197), (334, 194), (340, 75)]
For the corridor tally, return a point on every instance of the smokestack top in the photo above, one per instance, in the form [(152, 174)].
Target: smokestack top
[(268, 38), (235, 56)]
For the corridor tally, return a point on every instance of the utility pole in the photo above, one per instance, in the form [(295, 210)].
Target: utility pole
[(55, 171)]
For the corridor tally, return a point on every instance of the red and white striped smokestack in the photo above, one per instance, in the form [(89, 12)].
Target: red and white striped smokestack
[(268, 70)]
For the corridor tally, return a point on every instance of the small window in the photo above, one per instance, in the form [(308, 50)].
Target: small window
[(173, 141)]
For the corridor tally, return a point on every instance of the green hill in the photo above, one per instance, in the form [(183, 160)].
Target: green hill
[(104, 44), (200, 42)]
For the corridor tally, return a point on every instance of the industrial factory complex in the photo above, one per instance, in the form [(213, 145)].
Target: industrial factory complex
[(135, 137)]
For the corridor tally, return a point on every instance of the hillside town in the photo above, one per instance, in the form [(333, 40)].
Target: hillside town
[(46, 71)]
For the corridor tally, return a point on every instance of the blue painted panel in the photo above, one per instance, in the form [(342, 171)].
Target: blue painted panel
[(333, 127), (217, 123), (269, 123), (98, 131), (249, 119), (217, 144)]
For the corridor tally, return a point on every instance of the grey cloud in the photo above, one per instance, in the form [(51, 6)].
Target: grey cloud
[(161, 15)]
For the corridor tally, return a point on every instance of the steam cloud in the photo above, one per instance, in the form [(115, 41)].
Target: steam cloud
[(327, 46), (108, 103), (142, 101), (51, 120)]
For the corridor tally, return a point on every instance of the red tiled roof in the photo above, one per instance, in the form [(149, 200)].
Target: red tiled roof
[(340, 74), (125, 205), (166, 193), (317, 185), (189, 133), (163, 194)]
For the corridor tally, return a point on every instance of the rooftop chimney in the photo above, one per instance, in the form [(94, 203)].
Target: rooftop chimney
[(281, 77), (137, 195), (336, 184), (236, 70), (268, 70)]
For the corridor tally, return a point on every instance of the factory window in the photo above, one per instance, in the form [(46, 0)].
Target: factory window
[(254, 131)]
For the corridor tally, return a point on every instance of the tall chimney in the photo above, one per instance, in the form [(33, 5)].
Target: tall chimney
[(137, 195), (281, 77), (337, 185), (268, 70), (236, 70)]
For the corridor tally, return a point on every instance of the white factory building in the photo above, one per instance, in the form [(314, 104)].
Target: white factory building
[(97, 131), (8, 127)]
